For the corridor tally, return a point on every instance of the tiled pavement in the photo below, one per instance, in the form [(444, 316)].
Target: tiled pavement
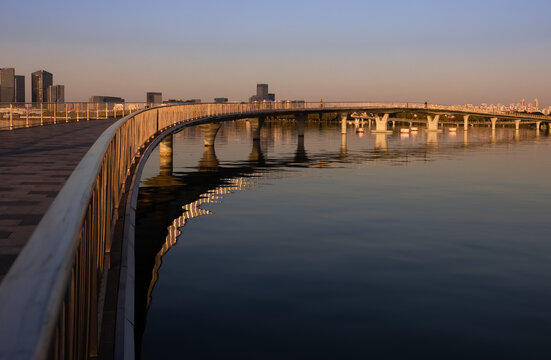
[(34, 165)]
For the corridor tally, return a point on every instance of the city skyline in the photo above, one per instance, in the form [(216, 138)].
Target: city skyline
[(472, 52)]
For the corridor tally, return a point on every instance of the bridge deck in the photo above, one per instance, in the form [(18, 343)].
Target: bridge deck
[(34, 165)]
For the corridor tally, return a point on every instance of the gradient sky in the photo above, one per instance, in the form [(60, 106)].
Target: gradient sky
[(450, 52)]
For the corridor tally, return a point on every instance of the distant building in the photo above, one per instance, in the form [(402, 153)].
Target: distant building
[(220, 100), (40, 81), (181, 101), (105, 99), (56, 94), (7, 85), (262, 94), (19, 88), (154, 98)]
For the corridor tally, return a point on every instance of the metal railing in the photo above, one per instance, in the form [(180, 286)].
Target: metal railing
[(50, 297), (21, 115)]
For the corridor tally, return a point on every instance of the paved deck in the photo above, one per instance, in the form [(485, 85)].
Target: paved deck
[(34, 165)]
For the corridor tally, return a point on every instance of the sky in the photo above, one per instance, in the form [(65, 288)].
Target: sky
[(447, 52)]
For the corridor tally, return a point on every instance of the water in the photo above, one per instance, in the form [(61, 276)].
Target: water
[(385, 246)]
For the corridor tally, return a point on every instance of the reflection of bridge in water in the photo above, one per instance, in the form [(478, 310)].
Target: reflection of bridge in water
[(84, 240), (179, 196)]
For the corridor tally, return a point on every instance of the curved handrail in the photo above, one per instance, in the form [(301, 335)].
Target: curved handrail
[(49, 298)]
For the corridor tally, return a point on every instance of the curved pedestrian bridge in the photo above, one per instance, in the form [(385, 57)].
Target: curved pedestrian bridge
[(70, 291)]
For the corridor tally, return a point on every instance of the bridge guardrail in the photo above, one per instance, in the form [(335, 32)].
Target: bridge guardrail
[(50, 296), (22, 115)]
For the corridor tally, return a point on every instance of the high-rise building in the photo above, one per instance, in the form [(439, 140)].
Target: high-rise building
[(153, 98), (40, 81), (56, 94), (262, 93), (7, 85), (220, 100), (537, 103), (19, 88)]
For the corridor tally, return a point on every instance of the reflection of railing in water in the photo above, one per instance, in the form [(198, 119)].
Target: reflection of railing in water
[(193, 210)]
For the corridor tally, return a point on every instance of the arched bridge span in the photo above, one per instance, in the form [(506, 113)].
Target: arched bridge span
[(53, 293)]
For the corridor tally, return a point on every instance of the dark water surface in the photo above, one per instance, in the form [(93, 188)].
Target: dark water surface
[(384, 247)]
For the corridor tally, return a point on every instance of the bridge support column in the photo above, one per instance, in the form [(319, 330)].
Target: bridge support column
[(432, 122), (209, 132), (256, 125), (301, 119), (381, 123), (466, 122), (494, 121), (393, 124), (517, 125), (538, 125), (344, 117), (166, 157)]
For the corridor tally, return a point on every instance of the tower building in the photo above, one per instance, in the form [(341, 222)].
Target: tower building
[(40, 81)]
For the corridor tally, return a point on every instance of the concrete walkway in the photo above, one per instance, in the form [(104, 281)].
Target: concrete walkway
[(34, 165)]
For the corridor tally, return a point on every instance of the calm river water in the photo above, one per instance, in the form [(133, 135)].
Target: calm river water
[(373, 246)]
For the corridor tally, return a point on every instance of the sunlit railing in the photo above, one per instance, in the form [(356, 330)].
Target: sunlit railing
[(49, 299), (21, 115)]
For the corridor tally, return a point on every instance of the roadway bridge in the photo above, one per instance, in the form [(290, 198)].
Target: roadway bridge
[(70, 292)]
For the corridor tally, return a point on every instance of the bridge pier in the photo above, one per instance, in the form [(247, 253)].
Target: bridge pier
[(166, 157), (256, 125), (465, 122), (381, 124), (209, 132), (517, 125), (494, 121), (344, 117), (301, 119), (538, 125), (432, 122)]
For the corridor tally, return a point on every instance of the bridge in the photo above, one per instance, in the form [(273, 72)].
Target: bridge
[(70, 291)]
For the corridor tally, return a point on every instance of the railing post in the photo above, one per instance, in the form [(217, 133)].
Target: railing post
[(66, 113), (106, 107), (87, 111), (78, 109), (55, 113), (41, 114), (27, 115), (97, 111), (11, 116)]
